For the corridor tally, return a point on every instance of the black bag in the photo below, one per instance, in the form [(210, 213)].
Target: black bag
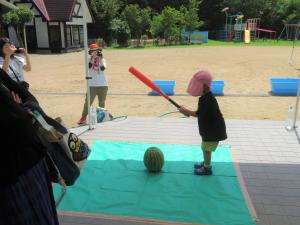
[(67, 152), (23, 84), (60, 165)]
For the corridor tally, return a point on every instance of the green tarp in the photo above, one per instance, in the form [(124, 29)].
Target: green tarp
[(114, 181)]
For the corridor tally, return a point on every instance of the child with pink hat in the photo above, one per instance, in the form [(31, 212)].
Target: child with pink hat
[(211, 123)]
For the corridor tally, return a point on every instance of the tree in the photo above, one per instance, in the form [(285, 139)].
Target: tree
[(170, 24), (138, 20), (141, 3), (167, 24), (210, 13), (190, 17), (17, 19), (292, 11), (157, 5), (156, 28), (104, 12), (121, 32), (146, 20), (132, 15)]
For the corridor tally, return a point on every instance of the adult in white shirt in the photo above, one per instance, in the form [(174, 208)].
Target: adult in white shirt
[(97, 83), (13, 61)]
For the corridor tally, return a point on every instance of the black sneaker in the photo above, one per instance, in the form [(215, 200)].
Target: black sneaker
[(198, 165), (203, 171)]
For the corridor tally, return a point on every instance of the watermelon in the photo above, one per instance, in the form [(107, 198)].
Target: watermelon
[(154, 159)]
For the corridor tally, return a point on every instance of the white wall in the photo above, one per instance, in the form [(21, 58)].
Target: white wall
[(42, 33), (79, 21), (35, 11), (13, 36)]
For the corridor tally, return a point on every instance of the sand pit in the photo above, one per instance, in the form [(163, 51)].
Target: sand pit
[(58, 80)]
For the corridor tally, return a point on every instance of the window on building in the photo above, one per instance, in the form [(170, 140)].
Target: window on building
[(81, 36), (76, 36), (69, 36)]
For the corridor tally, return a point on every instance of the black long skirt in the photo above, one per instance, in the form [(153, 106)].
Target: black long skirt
[(30, 201)]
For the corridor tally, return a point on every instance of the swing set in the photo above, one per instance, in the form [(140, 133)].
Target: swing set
[(289, 32)]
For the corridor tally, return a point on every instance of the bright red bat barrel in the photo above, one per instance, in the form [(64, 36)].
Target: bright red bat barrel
[(150, 84), (147, 81)]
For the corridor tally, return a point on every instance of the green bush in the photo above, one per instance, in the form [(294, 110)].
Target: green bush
[(121, 32)]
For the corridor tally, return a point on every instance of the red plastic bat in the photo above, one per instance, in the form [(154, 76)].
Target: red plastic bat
[(150, 84)]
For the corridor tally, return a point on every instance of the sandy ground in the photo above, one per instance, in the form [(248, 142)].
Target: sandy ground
[(246, 70)]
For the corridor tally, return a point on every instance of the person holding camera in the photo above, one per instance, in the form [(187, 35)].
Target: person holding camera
[(13, 63), (97, 80)]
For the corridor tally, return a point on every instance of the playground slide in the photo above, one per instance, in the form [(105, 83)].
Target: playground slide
[(247, 37)]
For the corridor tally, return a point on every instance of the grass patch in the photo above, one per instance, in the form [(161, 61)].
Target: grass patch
[(265, 43)]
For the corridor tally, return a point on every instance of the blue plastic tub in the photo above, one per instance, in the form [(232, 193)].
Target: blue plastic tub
[(167, 86), (217, 87), (284, 86)]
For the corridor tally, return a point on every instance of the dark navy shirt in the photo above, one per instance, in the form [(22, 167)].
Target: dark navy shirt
[(210, 119)]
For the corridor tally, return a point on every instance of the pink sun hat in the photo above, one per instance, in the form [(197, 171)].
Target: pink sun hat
[(196, 84)]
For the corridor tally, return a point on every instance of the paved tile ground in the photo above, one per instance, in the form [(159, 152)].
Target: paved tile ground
[(268, 156)]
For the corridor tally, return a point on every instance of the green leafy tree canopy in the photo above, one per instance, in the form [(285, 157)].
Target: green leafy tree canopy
[(18, 17)]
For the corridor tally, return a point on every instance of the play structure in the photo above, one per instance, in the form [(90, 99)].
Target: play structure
[(289, 32), (256, 32), (235, 28)]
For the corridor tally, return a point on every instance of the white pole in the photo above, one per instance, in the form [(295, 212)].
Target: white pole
[(86, 61), (298, 92), (25, 39), (296, 107)]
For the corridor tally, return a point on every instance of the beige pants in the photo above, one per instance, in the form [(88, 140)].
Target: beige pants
[(101, 92)]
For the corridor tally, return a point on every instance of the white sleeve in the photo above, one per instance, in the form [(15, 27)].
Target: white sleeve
[(104, 63), (21, 61)]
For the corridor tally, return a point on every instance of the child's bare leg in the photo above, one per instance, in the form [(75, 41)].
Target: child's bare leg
[(207, 158)]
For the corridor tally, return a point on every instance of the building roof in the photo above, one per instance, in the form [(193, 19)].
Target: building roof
[(56, 10)]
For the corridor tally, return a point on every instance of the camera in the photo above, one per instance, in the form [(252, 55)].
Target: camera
[(98, 51), (18, 51)]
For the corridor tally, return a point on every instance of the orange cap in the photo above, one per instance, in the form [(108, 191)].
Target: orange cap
[(94, 47)]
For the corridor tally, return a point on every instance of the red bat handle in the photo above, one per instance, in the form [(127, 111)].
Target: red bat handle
[(174, 103)]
